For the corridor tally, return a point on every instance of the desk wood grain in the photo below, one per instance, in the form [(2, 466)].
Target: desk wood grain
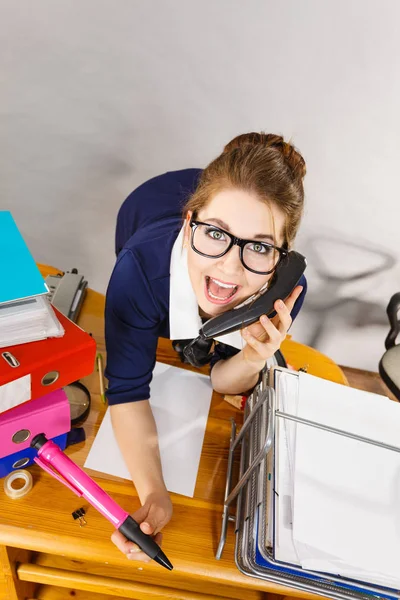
[(45, 554)]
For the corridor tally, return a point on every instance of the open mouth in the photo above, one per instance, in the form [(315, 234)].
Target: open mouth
[(219, 292)]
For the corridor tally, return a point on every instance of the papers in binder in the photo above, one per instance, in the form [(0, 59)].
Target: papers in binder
[(25, 312), (28, 321)]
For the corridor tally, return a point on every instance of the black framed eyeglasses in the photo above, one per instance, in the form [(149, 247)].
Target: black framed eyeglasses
[(213, 242)]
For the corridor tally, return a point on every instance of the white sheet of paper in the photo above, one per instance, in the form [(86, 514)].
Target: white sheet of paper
[(15, 392), (347, 493), (180, 401)]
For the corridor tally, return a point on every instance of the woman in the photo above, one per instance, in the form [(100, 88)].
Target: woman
[(172, 273)]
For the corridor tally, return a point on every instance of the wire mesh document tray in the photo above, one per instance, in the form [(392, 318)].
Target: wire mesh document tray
[(254, 496)]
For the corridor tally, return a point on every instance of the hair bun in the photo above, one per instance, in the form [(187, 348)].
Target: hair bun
[(291, 156)]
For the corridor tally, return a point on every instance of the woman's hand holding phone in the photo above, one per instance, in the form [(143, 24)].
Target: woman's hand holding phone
[(152, 516), (264, 337)]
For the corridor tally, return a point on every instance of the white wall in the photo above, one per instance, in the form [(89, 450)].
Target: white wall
[(97, 96)]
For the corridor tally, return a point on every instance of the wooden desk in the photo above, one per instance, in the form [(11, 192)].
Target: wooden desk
[(45, 554)]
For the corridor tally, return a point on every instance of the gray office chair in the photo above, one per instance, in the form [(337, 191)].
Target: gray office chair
[(389, 366)]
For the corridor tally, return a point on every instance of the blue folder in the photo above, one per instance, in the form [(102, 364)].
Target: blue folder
[(19, 276)]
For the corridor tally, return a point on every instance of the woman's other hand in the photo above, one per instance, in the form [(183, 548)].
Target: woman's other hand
[(152, 516), (264, 337)]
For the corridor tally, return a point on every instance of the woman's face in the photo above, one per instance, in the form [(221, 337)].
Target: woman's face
[(246, 217)]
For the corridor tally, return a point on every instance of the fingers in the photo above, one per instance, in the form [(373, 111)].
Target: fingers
[(137, 554), (141, 513), (130, 549), (154, 520), (274, 335), (264, 349), (283, 319), (124, 545), (291, 300), (276, 329), (151, 517)]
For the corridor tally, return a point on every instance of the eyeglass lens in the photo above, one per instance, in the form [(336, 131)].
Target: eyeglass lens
[(212, 241)]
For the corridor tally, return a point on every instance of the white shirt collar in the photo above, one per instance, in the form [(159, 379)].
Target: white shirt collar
[(184, 318)]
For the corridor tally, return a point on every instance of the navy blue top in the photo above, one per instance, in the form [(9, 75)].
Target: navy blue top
[(137, 299)]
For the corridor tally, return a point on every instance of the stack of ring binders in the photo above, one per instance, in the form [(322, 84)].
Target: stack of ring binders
[(254, 519)]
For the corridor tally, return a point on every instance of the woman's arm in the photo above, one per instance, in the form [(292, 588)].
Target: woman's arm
[(132, 323), (136, 433), (235, 375)]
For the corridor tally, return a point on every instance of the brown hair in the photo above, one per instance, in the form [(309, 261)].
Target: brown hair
[(262, 163)]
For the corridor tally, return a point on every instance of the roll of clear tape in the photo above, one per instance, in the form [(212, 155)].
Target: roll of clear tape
[(18, 492)]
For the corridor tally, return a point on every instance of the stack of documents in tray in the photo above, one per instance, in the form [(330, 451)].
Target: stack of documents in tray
[(25, 311), (318, 504), (337, 499)]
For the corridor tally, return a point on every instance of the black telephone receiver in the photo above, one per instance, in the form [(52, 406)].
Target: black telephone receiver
[(286, 277)]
